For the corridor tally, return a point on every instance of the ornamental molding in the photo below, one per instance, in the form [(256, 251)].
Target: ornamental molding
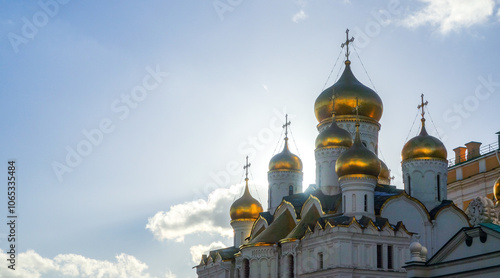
[(285, 175), (361, 177), (288, 248), (364, 121), (329, 152), (482, 210), (424, 162), (263, 252)]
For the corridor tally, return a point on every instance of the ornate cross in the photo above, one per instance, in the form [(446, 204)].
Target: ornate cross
[(346, 43), (247, 165), (422, 105), (333, 103), (287, 123), (356, 109)]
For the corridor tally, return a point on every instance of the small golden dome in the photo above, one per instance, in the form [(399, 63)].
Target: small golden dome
[(285, 161), (347, 89), (334, 136), (246, 207), (384, 171), (357, 160), (496, 191), (424, 146)]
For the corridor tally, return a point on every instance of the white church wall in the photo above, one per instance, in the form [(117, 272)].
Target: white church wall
[(448, 222)]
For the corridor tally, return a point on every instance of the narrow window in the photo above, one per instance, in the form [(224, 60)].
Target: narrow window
[(353, 202), (366, 202), (344, 203), (409, 186), (320, 260), (389, 257), (290, 190), (246, 268), (379, 256), (290, 267), (438, 188)]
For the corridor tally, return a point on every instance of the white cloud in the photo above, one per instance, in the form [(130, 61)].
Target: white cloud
[(32, 265), (169, 274), (452, 15), (196, 217), (198, 250), (299, 16)]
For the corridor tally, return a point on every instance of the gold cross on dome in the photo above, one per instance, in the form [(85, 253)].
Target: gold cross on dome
[(356, 109), (247, 165), (422, 105), (287, 123), (332, 98), (346, 43)]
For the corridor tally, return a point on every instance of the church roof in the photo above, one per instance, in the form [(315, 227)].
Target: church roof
[(276, 231), (435, 211), (224, 253), (268, 216)]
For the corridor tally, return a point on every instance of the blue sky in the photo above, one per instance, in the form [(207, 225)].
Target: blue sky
[(130, 121)]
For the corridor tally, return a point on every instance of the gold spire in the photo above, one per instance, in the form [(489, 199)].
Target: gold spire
[(357, 160), (347, 88), (285, 160), (333, 136), (424, 146), (246, 208)]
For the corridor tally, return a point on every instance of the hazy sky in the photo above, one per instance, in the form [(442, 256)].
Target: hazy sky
[(129, 121)]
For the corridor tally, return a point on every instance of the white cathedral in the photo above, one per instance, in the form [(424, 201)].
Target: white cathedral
[(352, 222)]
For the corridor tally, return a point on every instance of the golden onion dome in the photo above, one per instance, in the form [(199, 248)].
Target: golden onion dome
[(384, 171), (424, 146), (285, 161), (496, 191), (246, 207), (333, 136), (357, 160), (347, 89)]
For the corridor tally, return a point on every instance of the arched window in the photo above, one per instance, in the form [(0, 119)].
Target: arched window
[(320, 260), (290, 190), (438, 188), (409, 185), (366, 202), (246, 268), (353, 200), (291, 273)]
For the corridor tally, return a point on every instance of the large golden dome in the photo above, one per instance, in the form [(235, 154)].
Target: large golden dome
[(285, 161), (496, 191), (357, 160), (424, 146), (246, 207), (333, 136), (346, 90)]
